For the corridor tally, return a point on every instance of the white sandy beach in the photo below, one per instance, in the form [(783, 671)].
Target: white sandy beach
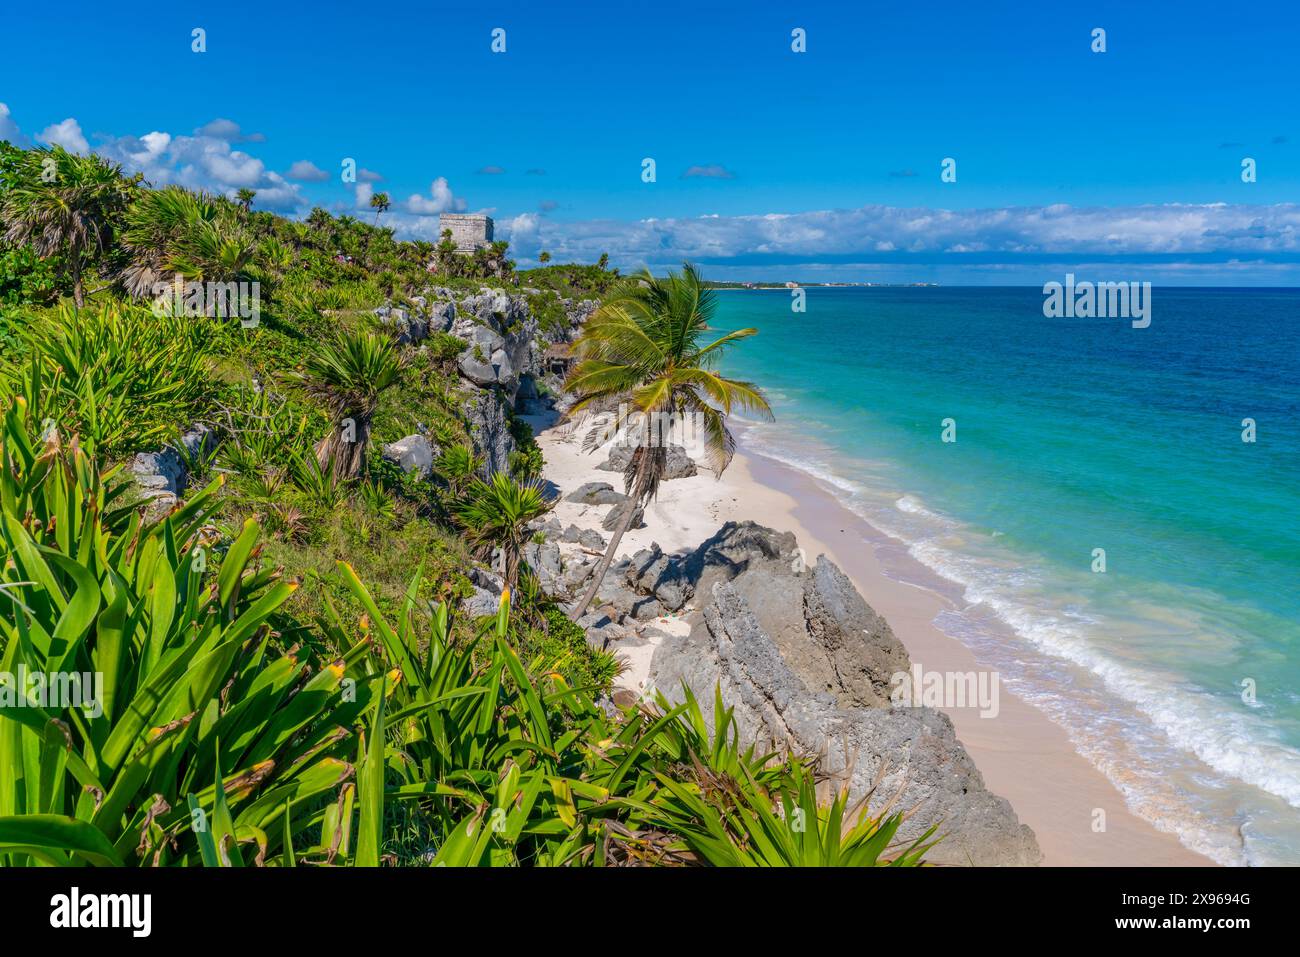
[(1022, 755)]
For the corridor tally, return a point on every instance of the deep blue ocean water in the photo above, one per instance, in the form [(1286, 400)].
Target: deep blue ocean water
[(1177, 670)]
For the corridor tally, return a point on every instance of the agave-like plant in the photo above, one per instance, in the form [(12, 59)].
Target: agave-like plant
[(118, 376), (731, 808), (187, 738), (65, 204), (498, 512), (350, 374), (457, 466)]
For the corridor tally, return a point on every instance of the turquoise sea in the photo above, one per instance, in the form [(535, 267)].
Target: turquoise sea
[(1176, 670)]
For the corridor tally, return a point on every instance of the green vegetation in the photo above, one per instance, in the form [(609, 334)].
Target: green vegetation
[(274, 672), (645, 343), (349, 374), (117, 376), (498, 512)]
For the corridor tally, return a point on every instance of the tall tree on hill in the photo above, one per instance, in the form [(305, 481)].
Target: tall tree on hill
[(245, 197), (61, 203), (643, 347), (380, 203)]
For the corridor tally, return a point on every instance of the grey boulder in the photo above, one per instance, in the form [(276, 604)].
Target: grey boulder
[(617, 513), (596, 493), (413, 454), (679, 464)]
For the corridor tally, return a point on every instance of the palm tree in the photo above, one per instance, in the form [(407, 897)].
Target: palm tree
[(63, 203), (349, 374), (155, 225), (543, 257), (380, 204), (498, 512), (643, 345), (245, 197), (217, 250), (319, 218), (447, 261)]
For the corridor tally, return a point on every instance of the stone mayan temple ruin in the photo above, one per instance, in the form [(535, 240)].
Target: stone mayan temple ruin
[(469, 231)]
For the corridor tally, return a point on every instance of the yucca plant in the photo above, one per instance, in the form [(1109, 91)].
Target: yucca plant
[(728, 808), (321, 486), (350, 374), (260, 430), (199, 741), (498, 512), (492, 761)]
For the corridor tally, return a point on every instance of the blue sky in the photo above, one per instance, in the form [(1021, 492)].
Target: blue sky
[(770, 164)]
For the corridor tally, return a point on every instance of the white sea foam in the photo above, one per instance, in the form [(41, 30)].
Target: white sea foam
[(1238, 745)]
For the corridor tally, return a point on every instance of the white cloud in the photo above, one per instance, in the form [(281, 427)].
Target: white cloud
[(522, 233), (307, 171), (1016, 234), (440, 200), (363, 193), (66, 134), (201, 162), (9, 129), (368, 175)]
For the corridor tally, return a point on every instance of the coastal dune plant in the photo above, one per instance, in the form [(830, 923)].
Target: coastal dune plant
[(647, 347), (457, 466), (120, 377), (736, 809)]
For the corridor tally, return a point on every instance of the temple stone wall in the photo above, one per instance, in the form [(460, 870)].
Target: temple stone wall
[(469, 231)]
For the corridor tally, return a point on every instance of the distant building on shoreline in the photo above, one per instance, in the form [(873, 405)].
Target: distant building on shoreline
[(469, 231)]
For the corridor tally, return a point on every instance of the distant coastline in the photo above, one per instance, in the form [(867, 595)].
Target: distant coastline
[(791, 284)]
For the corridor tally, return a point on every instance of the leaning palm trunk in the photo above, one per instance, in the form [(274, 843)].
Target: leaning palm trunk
[(643, 346), (641, 481)]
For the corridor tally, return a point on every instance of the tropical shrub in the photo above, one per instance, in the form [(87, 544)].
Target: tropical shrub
[(25, 278), (498, 512), (349, 374), (65, 205), (118, 376), (199, 742)]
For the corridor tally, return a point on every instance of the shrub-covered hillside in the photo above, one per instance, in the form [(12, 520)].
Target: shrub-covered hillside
[(236, 546)]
